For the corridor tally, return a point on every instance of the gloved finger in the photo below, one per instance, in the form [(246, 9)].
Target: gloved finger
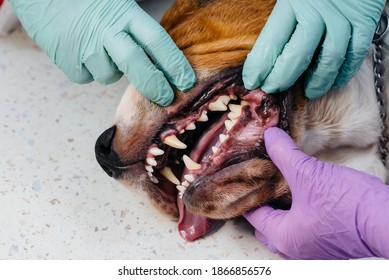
[(266, 221), (284, 153), (79, 75), (275, 34), (102, 68), (75, 70), (133, 62), (322, 75), (360, 43), (262, 238), (297, 53), (161, 48)]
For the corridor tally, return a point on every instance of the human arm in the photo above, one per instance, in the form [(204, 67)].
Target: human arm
[(100, 40), (336, 212), (329, 38)]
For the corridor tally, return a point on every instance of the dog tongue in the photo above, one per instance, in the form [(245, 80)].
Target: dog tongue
[(191, 226)]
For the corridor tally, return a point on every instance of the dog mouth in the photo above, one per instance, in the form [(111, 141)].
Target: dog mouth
[(222, 127)]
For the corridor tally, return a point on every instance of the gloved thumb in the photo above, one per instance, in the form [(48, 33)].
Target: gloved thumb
[(284, 153), (265, 220)]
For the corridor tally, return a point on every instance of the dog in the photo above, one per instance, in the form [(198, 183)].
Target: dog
[(202, 160)]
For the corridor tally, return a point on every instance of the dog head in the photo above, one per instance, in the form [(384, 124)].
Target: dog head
[(202, 159)]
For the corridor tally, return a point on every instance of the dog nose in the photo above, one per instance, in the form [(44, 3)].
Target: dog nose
[(105, 155)]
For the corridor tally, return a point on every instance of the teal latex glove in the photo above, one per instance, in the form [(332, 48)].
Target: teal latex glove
[(102, 39), (336, 33)]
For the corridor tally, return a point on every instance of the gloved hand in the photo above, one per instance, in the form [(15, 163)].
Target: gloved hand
[(336, 212), (339, 31), (100, 40)]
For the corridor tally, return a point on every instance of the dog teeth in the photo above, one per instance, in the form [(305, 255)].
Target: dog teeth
[(190, 126), (229, 125), (152, 178), (215, 149), (185, 184), (189, 177), (181, 190), (190, 164), (217, 105), (149, 168), (173, 141), (235, 108), (182, 131), (223, 138), (151, 161), (236, 111), (233, 116), (225, 99), (156, 151), (203, 117), (168, 174)]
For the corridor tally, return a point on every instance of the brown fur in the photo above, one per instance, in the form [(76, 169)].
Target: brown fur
[(218, 35)]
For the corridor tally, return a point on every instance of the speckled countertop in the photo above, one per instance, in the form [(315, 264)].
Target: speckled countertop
[(56, 202)]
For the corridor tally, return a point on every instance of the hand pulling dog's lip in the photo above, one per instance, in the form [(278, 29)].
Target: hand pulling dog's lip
[(237, 135)]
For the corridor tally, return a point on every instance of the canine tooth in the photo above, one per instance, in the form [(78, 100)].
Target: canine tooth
[(156, 151), (215, 149), (185, 184), (173, 141), (225, 99), (217, 105), (190, 164), (168, 174), (190, 178), (149, 168), (190, 126), (151, 161), (244, 103), (181, 131), (229, 124), (223, 137), (203, 117)]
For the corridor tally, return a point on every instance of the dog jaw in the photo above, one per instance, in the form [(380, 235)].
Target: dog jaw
[(138, 120)]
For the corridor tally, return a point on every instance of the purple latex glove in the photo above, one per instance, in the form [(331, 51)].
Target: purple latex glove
[(336, 212)]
